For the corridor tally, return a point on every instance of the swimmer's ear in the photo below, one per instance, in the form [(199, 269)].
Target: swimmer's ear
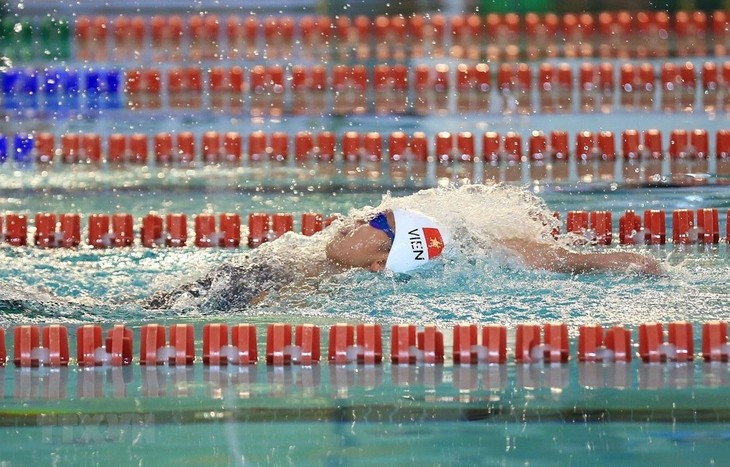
[(377, 266)]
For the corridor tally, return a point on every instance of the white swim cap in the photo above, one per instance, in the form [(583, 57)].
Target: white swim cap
[(418, 239)]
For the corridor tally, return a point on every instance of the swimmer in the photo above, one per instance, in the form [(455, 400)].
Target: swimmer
[(403, 240), (398, 236)]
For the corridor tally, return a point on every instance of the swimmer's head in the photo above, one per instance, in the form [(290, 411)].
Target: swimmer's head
[(400, 240)]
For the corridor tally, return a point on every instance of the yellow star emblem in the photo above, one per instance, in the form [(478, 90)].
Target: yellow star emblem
[(435, 243)]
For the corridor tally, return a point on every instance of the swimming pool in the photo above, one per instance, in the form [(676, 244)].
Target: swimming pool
[(353, 414)]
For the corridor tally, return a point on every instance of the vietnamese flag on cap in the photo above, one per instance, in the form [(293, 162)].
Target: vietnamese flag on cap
[(434, 241)]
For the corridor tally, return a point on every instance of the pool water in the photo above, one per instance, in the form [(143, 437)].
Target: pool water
[(356, 415)]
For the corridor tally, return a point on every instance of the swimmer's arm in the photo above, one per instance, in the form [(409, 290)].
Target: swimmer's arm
[(554, 257)]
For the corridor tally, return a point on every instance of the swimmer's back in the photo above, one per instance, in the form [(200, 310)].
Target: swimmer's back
[(227, 287)]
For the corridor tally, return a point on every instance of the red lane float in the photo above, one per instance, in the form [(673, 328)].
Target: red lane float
[(69, 231), (31, 351), (651, 343), (182, 340), (99, 231), (16, 229), (52, 348), (26, 339), (576, 222), (215, 338), (370, 344), (105, 232), (403, 342), (342, 348), (119, 343), (714, 342), (681, 338), (618, 340), (152, 339), (590, 342), (45, 230), (341, 344), (653, 348), (594, 346), (180, 351), (655, 229), (55, 340), (229, 230), (93, 350), (44, 147), (243, 338), (122, 230), (258, 229), (278, 344), (214, 148), (465, 344), (281, 223), (204, 230), (682, 226), (629, 228), (494, 342), (303, 146), (311, 223), (174, 233), (555, 338), (601, 227), (228, 234), (88, 345), (152, 232), (430, 344), (306, 345), (554, 348), (708, 226), (177, 230)]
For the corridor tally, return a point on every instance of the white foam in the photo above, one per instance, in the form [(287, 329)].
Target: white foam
[(353, 352), (165, 353), (101, 355), (41, 354), (231, 353), (479, 215)]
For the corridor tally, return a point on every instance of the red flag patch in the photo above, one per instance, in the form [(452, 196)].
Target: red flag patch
[(434, 241)]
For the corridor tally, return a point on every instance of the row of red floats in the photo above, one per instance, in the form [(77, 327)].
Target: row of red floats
[(203, 33), (209, 26), (425, 77), (181, 148), (361, 344), (688, 227), (117, 230)]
